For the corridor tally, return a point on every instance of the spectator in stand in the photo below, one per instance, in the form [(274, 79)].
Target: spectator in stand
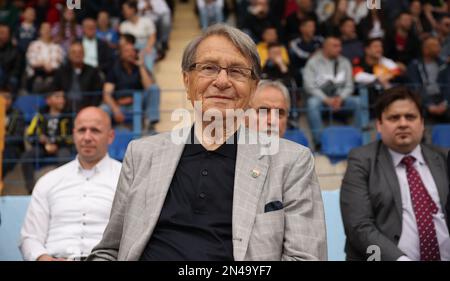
[(143, 29), (331, 26), (27, 31), (9, 14), (14, 131), (422, 27), (357, 10), (10, 61), (105, 32), (43, 58), (431, 78), (81, 82), (434, 9), (271, 95), (276, 67), (45, 12), (305, 11), (67, 29), (303, 47), (96, 52), (373, 26), (126, 76), (258, 18), (269, 36), (70, 206), (401, 43), (375, 69), (443, 33), (159, 12), (49, 134), (329, 85), (210, 12), (352, 47)]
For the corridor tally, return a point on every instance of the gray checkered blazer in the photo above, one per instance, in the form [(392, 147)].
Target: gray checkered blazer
[(293, 230)]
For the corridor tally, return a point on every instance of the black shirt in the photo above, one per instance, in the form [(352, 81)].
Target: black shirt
[(196, 219), (124, 80)]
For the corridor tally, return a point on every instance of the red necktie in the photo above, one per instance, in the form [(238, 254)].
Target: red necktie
[(424, 207)]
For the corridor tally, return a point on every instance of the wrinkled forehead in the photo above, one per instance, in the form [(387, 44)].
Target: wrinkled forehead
[(218, 48)]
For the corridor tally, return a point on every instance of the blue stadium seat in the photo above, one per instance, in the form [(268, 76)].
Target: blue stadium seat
[(12, 212), (440, 135), (29, 105), (337, 141), (296, 135), (119, 146), (335, 227)]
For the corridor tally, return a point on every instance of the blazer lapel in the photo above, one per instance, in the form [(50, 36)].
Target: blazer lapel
[(163, 165), (251, 172), (388, 169), (438, 172)]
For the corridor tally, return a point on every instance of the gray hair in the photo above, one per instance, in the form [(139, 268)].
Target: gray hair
[(277, 85), (242, 41)]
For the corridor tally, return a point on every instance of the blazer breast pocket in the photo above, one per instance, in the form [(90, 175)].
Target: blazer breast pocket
[(273, 206)]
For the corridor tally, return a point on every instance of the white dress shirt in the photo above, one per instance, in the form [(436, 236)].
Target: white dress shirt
[(69, 210), (142, 30), (409, 239), (90, 52)]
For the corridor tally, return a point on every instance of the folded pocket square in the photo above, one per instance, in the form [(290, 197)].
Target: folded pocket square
[(273, 206)]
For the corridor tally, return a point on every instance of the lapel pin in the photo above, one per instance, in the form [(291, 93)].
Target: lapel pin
[(255, 173)]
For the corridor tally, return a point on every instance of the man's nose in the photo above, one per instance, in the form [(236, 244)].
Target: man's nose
[(403, 122), (222, 79)]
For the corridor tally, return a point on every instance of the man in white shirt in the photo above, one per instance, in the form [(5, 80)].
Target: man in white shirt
[(70, 205), (395, 190)]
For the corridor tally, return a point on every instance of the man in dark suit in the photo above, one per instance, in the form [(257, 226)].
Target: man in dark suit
[(81, 82), (394, 191), (97, 53)]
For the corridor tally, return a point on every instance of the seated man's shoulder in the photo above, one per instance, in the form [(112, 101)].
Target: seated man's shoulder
[(366, 150), (155, 141), (54, 177), (292, 150)]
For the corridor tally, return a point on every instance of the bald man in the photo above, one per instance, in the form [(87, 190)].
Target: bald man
[(70, 205), (270, 96)]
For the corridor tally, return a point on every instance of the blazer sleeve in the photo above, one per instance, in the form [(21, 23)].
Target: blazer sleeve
[(305, 234), (108, 248), (357, 211)]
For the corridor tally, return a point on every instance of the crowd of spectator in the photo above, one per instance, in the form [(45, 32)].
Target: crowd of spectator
[(322, 51)]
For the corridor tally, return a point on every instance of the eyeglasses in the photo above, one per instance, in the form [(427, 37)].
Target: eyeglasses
[(212, 70)]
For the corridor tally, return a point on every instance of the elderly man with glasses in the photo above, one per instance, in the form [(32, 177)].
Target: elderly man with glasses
[(216, 196)]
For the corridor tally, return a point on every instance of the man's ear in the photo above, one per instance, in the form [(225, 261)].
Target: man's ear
[(378, 124), (112, 135), (186, 82)]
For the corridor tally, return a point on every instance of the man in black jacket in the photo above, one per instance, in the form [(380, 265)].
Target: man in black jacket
[(10, 60), (81, 82), (431, 77), (97, 53), (15, 128)]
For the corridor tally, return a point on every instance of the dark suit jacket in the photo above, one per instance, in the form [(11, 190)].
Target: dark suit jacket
[(90, 82), (448, 199), (371, 203), (105, 57)]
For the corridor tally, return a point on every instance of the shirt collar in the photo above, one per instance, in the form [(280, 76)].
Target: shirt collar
[(101, 166), (227, 149), (416, 153)]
